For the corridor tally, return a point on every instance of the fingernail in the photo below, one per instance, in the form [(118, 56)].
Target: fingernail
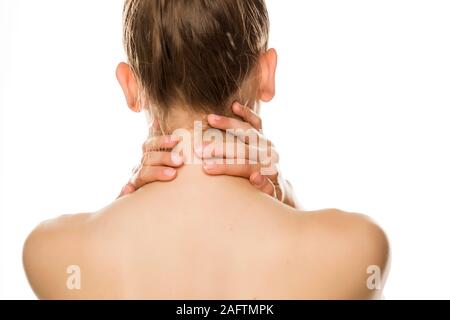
[(122, 192), (215, 118), (169, 172), (259, 180), (177, 160), (128, 188), (209, 166), (237, 107)]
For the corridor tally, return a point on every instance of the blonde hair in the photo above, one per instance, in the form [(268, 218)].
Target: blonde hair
[(198, 54)]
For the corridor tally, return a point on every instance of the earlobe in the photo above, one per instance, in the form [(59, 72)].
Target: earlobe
[(269, 61), (127, 82)]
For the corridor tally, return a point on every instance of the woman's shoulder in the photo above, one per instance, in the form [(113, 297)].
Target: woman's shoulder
[(340, 251), (57, 251)]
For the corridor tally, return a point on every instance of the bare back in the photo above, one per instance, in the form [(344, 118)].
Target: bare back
[(203, 237)]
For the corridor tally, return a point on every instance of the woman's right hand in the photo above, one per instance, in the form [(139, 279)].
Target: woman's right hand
[(157, 164)]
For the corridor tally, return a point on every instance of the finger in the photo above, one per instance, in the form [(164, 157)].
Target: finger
[(229, 151), (225, 123), (135, 169), (274, 177), (248, 115), (267, 156), (160, 143), (149, 174), (243, 130), (262, 183), (127, 189), (235, 170), (168, 159)]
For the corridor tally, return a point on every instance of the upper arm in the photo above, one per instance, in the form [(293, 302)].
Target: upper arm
[(342, 255), (362, 248), (49, 252)]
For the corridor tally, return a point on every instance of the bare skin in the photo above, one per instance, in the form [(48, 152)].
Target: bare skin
[(221, 239), (206, 233), (157, 163)]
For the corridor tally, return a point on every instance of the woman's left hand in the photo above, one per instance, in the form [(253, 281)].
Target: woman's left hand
[(262, 172)]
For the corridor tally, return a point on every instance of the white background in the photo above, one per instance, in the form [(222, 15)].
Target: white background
[(361, 121)]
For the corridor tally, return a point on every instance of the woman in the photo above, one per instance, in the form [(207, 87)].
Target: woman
[(201, 231)]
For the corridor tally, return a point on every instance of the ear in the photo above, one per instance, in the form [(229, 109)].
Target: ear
[(127, 81), (268, 66)]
